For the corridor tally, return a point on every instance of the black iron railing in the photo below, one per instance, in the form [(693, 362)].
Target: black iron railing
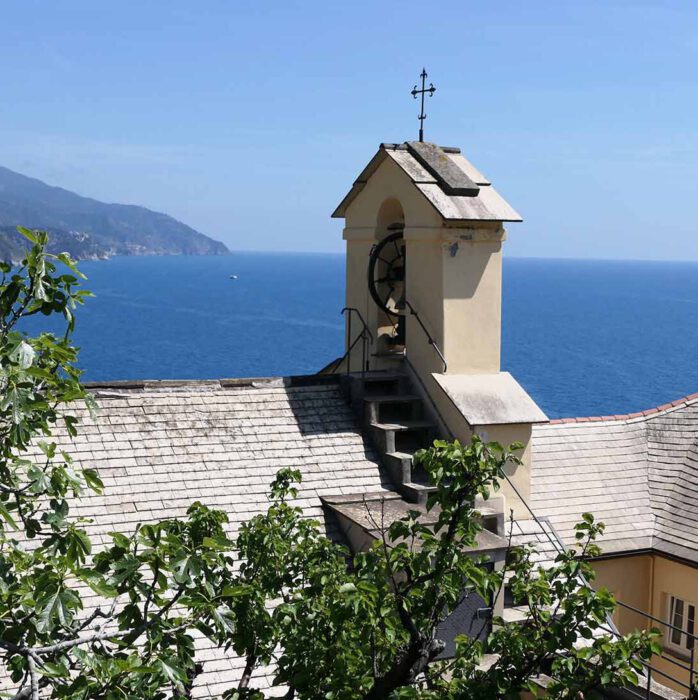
[(430, 340), (365, 337)]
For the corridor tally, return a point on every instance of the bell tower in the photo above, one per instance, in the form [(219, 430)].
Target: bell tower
[(436, 227), (424, 232)]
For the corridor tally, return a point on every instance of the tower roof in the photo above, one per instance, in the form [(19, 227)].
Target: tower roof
[(451, 184)]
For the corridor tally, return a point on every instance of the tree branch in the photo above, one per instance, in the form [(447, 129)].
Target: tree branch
[(250, 663), (33, 677)]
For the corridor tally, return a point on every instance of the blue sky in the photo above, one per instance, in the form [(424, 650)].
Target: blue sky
[(249, 121)]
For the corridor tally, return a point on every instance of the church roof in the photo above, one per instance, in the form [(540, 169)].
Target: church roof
[(450, 183), (159, 446), (638, 473)]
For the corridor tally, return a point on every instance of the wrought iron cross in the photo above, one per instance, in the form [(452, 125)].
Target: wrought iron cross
[(431, 90)]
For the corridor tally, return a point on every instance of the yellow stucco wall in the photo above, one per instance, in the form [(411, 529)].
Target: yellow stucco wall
[(472, 298), (454, 280), (389, 181), (424, 290), (629, 579), (520, 475), (646, 582)]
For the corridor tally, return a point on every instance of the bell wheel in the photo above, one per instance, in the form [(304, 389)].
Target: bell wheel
[(386, 274)]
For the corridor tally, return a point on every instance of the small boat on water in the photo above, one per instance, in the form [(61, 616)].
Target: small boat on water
[(233, 277)]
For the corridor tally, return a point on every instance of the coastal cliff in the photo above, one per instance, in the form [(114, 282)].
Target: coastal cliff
[(87, 228)]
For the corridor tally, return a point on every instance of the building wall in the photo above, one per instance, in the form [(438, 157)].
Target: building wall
[(630, 581), (646, 582), (472, 297), (520, 475), (424, 289)]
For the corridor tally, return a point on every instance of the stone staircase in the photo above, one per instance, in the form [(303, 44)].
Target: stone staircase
[(398, 423)]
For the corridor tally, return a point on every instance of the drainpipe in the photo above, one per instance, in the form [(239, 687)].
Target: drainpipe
[(650, 602)]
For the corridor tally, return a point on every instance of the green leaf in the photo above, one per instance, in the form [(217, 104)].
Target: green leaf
[(174, 674), (97, 582), (70, 264), (235, 591), (70, 423), (220, 543), (54, 670), (93, 480), (5, 514), (120, 540), (54, 611), (78, 546), (24, 355), (225, 618), (28, 234)]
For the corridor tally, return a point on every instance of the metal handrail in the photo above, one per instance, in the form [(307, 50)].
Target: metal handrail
[(364, 336), (430, 340)]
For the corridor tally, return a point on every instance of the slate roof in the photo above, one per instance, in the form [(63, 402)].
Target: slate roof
[(442, 174), (638, 473), (159, 446)]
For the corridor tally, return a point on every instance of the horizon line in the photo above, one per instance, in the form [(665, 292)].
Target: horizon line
[(564, 258)]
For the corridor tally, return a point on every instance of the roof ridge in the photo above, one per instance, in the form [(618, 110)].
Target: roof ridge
[(679, 403), (292, 380)]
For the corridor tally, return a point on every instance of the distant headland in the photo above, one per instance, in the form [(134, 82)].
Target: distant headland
[(87, 228)]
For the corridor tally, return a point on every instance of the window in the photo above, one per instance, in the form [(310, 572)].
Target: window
[(682, 615)]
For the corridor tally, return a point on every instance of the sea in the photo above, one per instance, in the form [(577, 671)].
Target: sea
[(583, 337)]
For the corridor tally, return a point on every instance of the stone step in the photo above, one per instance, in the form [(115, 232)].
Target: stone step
[(404, 425), (400, 466), (399, 456), (359, 385), (374, 375), (378, 376), (415, 493), (396, 355), (393, 398), (394, 417), (402, 436), (387, 408), (403, 469)]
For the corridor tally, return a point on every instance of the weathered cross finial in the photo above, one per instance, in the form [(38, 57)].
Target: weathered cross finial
[(431, 90)]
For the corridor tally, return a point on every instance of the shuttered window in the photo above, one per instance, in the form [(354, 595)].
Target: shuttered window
[(682, 615)]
